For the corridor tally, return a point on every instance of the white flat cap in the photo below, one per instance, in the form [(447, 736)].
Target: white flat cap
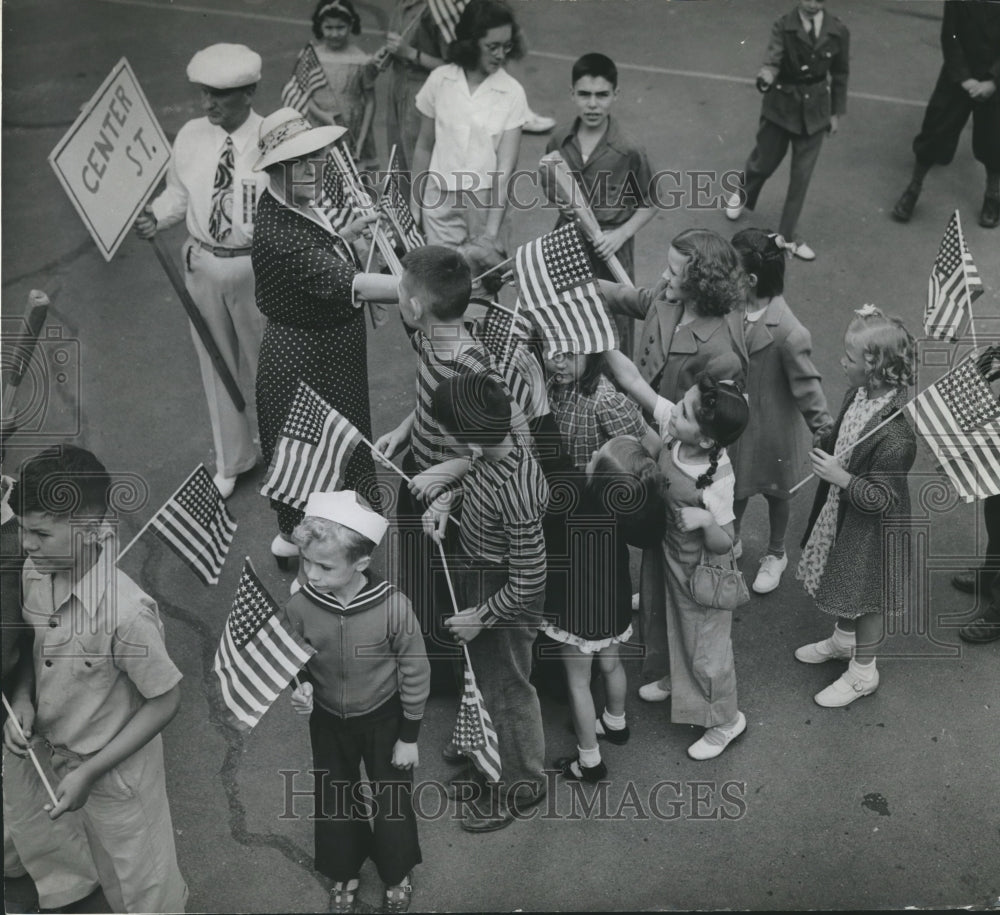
[(224, 66), (343, 507)]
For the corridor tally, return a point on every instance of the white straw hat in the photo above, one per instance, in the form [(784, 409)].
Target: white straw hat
[(286, 134)]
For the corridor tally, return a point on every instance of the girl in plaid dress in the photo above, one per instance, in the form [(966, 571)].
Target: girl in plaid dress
[(599, 504)]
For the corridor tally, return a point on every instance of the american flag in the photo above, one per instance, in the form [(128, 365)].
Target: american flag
[(556, 285), (196, 524), (335, 203), (958, 418), (396, 210), (502, 330), (474, 734), (953, 286), (446, 13), (307, 77), (258, 655), (313, 449)]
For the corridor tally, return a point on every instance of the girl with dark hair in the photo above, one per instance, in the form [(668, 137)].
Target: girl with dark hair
[(473, 112), (692, 321), (347, 96), (618, 500), (785, 389), (702, 679), (588, 589)]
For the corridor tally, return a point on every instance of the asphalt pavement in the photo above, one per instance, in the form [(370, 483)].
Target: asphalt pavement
[(894, 801)]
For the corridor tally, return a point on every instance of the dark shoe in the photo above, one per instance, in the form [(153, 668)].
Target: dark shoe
[(587, 773), (342, 896), (451, 755), (618, 737), (964, 582), (523, 801), (397, 898), (489, 822), (903, 210), (980, 631), (989, 217)]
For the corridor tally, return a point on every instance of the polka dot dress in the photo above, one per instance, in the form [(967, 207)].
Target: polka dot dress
[(303, 278)]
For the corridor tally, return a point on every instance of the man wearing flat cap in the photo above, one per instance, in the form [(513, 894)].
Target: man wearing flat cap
[(210, 183)]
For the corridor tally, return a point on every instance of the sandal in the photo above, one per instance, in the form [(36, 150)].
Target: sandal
[(342, 896), (397, 898)]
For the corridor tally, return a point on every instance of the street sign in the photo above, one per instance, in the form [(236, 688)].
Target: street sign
[(111, 158)]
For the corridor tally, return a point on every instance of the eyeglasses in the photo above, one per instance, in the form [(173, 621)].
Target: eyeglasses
[(498, 48)]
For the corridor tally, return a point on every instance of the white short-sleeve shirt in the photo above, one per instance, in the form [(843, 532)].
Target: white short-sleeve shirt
[(468, 126)]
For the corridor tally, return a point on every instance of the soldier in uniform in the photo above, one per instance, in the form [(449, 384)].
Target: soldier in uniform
[(804, 81), (967, 84)]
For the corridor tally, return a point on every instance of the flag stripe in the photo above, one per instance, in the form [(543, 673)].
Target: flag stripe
[(258, 653)]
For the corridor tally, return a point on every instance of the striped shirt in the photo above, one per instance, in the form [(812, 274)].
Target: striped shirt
[(427, 442), (502, 507)]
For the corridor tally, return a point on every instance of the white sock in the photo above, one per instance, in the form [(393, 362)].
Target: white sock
[(866, 668), (613, 722), (589, 758), (843, 638)]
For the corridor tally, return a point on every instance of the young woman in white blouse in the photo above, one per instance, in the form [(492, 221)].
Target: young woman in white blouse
[(472, 114)]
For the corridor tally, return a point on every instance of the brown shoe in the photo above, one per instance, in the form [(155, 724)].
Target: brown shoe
[(980, 631), (965, 582), (903, 210)]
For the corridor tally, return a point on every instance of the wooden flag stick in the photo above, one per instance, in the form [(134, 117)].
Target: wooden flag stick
[(145, 527), (31, 752), (965, 276), (198, 322), (454, 602), (864, 437), (13, 373), (492, 269)]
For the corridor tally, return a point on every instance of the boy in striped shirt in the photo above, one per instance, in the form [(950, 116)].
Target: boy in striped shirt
[(501, 585), (434, 293)]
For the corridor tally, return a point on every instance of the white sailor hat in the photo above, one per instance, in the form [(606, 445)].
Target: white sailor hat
[(225, 66), (344, 508)]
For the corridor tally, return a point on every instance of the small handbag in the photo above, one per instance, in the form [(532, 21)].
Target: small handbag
[(717, 582)]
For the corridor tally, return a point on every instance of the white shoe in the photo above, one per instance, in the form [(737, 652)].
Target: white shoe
[(734, 206), (801, 250), (657, 691), (769, 576), (716, 739), (538, 123), (852, 684), (827, 650), (224, 484)]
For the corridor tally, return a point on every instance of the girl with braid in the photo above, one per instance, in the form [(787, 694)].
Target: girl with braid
[(702, 679)]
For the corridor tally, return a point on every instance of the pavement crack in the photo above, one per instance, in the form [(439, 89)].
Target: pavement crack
[(235, 740)]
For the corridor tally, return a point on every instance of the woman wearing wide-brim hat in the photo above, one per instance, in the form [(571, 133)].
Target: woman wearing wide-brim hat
[(311, 289)]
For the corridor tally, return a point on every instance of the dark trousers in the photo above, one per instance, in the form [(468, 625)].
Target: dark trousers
[(350, 828), (988, 577), (420, 576), (767, 155), (946, 115), (501, 662)]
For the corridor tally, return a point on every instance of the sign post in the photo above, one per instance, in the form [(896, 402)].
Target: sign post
[(109, 162)]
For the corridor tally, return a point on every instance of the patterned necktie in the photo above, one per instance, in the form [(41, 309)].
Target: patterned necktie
[(220, 223)]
